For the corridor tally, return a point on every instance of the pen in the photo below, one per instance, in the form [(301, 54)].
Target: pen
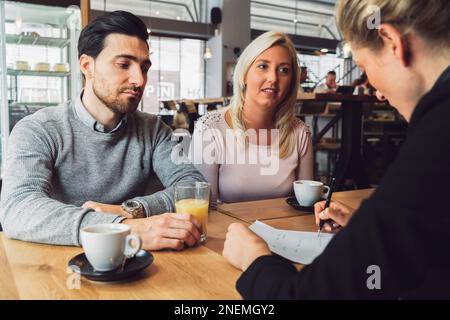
[(327, 204)]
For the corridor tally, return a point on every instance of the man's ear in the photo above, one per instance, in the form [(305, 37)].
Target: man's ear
[(87, 65), (397, 44)]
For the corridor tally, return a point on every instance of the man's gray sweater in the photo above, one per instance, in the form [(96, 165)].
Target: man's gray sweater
[(55, 163)]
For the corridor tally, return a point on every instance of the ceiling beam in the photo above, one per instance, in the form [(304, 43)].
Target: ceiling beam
[(173, 28), (292, 8), (306, 43), (313, 24)]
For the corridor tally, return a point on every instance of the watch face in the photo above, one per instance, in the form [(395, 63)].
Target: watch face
[(132, 204), (134, 208)]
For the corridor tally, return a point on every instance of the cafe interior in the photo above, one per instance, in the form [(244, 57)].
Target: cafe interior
[(194, 47)]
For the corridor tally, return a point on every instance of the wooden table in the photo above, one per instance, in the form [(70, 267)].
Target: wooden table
[(217, 229), (250, 211), (353, 198), (39, 271), (278, 208)]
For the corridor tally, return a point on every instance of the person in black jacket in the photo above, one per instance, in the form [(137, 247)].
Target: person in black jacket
[(395, 245)]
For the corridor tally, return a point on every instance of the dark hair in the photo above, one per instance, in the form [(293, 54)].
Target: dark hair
[(304, 68), (363, 77), (331, 73), (361, 80), (92, 37)]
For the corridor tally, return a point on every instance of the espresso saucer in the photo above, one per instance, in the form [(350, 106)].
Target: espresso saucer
[(292, 201), (80, 264)]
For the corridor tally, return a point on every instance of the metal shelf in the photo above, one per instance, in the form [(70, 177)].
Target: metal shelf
[(37, 40), (15, 72), (40, 104)]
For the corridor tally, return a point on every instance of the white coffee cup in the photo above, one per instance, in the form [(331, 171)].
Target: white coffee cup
[(106, 245), (309, 192)]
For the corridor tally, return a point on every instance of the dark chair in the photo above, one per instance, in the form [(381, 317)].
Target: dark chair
[(331, 147), (192, 114), (314, 109), (170, 105)]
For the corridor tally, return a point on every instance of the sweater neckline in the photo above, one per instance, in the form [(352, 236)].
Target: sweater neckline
[(103, 135)]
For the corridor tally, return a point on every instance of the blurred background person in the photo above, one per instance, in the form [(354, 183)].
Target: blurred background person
[(329, 86), (363, 86)]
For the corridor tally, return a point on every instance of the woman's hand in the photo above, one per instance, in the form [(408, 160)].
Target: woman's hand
[(242, 246), (337, 211)]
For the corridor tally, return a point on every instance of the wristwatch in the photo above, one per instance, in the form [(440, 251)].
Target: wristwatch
[(133, 207)]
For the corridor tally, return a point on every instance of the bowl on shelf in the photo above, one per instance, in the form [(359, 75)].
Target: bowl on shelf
[(22, 65), (61, 67), (42, 66)]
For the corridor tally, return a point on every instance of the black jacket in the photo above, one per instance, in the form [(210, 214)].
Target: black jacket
[(403, 229)]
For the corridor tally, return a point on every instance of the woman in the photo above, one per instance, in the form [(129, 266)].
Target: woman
[(257, 147), (401, 231), (363, 86)]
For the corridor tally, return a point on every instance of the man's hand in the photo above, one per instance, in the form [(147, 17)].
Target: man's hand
[(242, 246), (166, 231), (107, 208)]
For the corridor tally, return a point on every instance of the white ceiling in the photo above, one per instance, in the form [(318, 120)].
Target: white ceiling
[(313, 17), (184, 10), (304, 17)]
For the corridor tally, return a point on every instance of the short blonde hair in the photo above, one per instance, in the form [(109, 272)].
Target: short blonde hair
[(429, 19), (284, 117)]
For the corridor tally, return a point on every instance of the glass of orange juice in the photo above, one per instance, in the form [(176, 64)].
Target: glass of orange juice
[(193, 198)]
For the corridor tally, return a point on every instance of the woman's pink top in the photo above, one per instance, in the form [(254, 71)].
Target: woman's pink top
[(238, 174)]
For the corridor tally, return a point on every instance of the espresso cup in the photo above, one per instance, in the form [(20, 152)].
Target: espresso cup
[(107, 245), (309, 192)]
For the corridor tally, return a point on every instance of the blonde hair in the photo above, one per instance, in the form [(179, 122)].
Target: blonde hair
[(284, 116), (429, 19)]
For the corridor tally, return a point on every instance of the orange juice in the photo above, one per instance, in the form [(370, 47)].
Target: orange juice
[(196, 207)]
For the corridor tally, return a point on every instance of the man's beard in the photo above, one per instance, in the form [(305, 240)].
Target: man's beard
[(113, 102)]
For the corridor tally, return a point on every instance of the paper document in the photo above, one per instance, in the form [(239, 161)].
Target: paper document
[(298, 246)]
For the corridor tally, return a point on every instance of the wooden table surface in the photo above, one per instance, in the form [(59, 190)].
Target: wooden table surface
[(217, 229), (278, 208), (39, 271), (299, 223), (335, 97)]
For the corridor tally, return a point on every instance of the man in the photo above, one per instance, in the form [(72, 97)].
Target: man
[(74, 166), (330, 84)]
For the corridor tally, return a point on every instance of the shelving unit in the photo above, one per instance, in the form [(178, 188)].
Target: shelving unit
[(36, 34), (14, 72), (37, 40), (39, 104)]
